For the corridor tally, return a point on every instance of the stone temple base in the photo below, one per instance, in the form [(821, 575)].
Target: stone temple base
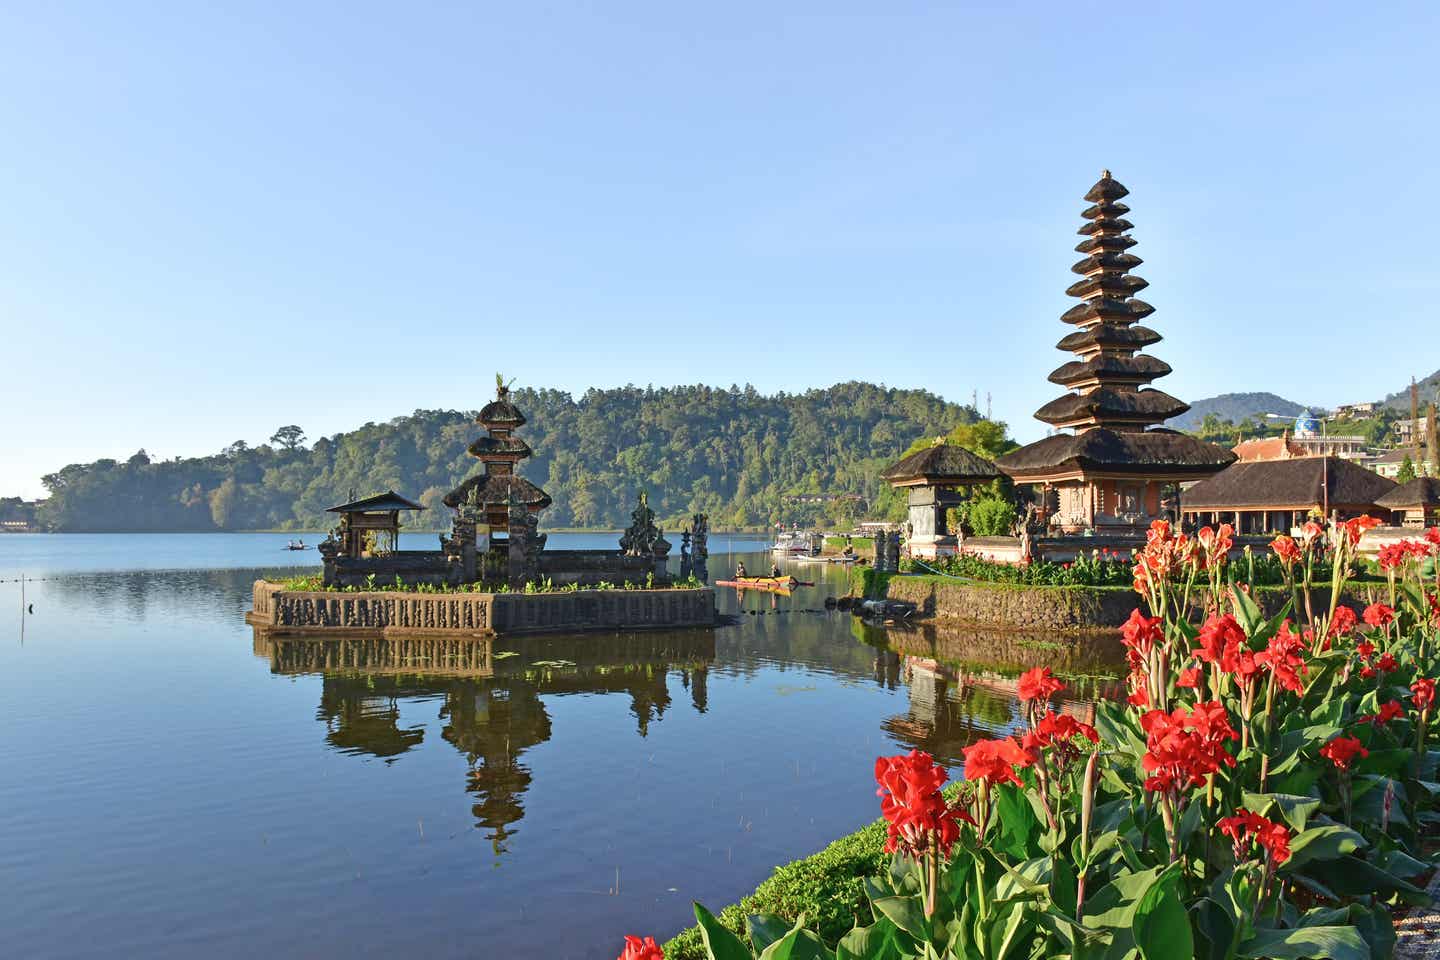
[(326, 611)]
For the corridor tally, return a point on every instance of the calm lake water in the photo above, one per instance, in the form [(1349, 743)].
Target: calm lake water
[(171, 785)]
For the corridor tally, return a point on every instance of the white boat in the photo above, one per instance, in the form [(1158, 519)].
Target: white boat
[(794, 543)]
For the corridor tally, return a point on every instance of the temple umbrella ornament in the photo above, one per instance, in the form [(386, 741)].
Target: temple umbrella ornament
[(1108, 468)]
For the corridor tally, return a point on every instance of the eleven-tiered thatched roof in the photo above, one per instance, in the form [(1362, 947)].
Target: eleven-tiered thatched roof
[(1111, 406)]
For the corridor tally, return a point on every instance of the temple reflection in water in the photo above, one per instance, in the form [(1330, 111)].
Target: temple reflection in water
[(963, 683), (489, 693)]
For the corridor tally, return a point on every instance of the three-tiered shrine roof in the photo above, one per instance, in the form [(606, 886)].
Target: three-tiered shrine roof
[(500, 451)]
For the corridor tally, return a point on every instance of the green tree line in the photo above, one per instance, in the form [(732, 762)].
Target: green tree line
[(733, 453)]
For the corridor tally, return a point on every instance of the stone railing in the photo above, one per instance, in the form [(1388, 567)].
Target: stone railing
[(402, 611)]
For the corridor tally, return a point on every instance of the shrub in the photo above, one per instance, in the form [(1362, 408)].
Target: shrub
[(991, 517)]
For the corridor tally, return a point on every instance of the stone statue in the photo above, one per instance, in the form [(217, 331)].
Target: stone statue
[(515, 567), (700, 524), (1024, 529), (534, 543), (642, 538)]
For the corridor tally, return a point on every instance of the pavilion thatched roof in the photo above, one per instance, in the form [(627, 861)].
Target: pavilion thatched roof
[(943, 464), (380, 502), (1295, 484), (1420, 492)]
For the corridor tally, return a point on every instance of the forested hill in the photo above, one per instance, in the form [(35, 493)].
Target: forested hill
[(732, 453)]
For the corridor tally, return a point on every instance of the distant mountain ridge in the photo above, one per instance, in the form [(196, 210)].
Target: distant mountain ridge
[(1428, 389), (1236, 407)]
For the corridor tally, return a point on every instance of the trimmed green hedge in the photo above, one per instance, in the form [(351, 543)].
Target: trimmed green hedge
[(828, 887)]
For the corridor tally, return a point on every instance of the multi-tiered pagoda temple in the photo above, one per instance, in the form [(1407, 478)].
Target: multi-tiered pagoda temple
[(490, 493), (1110, 468)]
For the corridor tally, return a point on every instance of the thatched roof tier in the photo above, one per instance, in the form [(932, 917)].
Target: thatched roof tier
[(379, 503), (1107, 285), (941, 465), (1301, 483), (496, 489), (1112, 404), (1112, 309), (1117, 451), (508, 448), (1104, 210), (1105, 225), (1113, 243), (1108, 336), (1420, 492), (1106, 261), (501, 413), (1141, 368), (1106, 188)]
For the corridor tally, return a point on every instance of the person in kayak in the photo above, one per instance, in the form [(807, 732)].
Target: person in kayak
[(775, 570), (739, 569)]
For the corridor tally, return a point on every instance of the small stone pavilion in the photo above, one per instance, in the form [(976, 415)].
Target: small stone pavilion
[(1109, 468), (371, 526), (932, 480)]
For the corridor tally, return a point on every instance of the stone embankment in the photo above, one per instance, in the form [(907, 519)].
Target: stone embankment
[(403, 611), (1015, 607), (1018, 607)]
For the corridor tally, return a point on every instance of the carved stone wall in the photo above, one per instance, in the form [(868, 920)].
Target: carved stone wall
[(389, 610)]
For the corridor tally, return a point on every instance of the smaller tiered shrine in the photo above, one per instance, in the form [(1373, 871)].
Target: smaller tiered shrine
[(490, 493), (497, 510)]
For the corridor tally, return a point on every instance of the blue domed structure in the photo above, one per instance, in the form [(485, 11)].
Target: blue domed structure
[(1307, 426)]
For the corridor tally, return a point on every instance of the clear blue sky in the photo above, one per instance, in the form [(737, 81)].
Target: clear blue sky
[(204, 206)]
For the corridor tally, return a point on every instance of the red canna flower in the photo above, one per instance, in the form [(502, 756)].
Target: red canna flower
[(1342, 623), (1139, 698), (1057, 727), (1286, 549), (1388, 711), (1364, 648), (1282, 658), (1039, 684), (1379, 615), (1424, 693), (916, 814), (1432, 535), (1246, 827), (1189, 678), (1393, 555), (994, 760), (1386, 663), (1220, 638), (1310, 533), (1342, 751), (637, 949), (1354, 528), (1183, 748)]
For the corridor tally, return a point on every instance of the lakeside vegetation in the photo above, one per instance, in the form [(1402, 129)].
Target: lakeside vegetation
[(1266, 789), (311, 583), (735, 454)]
